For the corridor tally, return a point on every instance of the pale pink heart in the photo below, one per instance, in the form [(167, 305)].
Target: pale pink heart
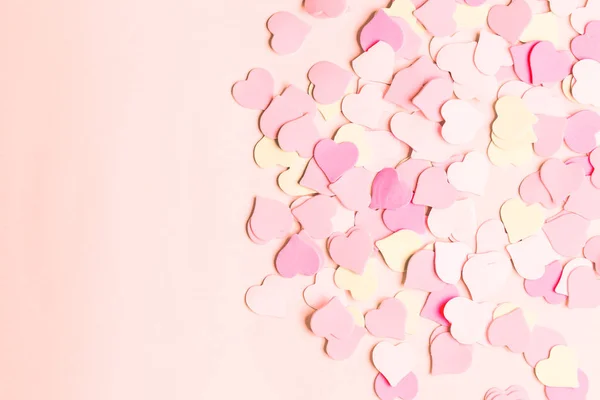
[(542, 341), (471, 174), (580, 134), (353, 189), (469, 320), (584, 161), (332, 320), (376, 64), (547, 64), (450, 257), (584, 201), (510, 330), (544, 286), (437, 17), (433, 189), (510, 21), (595, 162), (342, 349), (491, 53), (388, 191), (270, 219), (256, 91), (372, 221), (252, 236), (433, 309), (297, 257), (292, 104), (325, 8), (366, 108), (520, 55), (381, 28), (406, 389), (486, 274), (394, 362), (583, 15), (385, 149), (458, 222), (420, 272), (288, 31), (300, 135), (579, 393), (330, 82), (532, 190), (353, 251), (491, 236), (314, 178), (511, 393), (269, 298), (410, 170), (591, 251), (432, 96), (531, 255), (335, 158), (411, 42), (587, 46), (408, 82), (584, 288), (388, 321), (437, 332), (550, 132), (449, 356), (567, 233), (315, 215), (410, 216), (323, 290)]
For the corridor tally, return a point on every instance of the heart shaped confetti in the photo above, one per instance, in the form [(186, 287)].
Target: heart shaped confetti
[(288, 32)]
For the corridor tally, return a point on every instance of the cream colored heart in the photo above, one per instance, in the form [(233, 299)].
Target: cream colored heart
[(268, 154), (560, 369), (397, 248), (361, 287), (413, 300), (521, 220)]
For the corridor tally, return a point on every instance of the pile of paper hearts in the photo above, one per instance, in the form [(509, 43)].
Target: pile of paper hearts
[(389, 163)]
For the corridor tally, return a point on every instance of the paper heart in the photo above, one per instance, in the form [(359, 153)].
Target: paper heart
[(388, 321), (581, 130), (325, 8), (491, 236), (579, 393), (560, 369), (394, 362), (521, 220), (587, 46), (353, 251), (288, 180), (432, 96), (584, 161), (381, 28), (510, 21), (268, 154), (376, 64), (292, 104), (353, 189), (315, 216), (256, 91), (433, 189), (532, 191), (542, 340), (449, 356), (468, 320), (386, 151), (458, 221), (486, 274), (520, 54), (410, 169), (323, 290), (584, 288), (342, 349), (332, 320), (585, 201), (335, 159), (547, 64), (450, 257), (545, 100), (492, 52), (561, 180), (397, 248), (412, 41), (288, 32), (567, 233), (411, 216), (591, 251), (413, 300), (594, 159), (299, 256), (372, 222), (510, 330), (388, 191), (270, 219), (361, 287), (583, 15), (544, 286), (463, 121), (511, 393), (299, 135), (406, 389), (269, 298), (433, 309), (550, 132), (356, 134), (330, 82), (471, 175), (531, 255), (586, 87), (562, 286), (436, 16), (365, 108), (420, 273), (314, 178)]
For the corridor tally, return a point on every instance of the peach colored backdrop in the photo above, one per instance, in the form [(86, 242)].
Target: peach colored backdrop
[(126, 178)]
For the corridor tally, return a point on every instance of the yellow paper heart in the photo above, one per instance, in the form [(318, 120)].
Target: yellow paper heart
[(560, 369), (522, 139), (355, 134), (288, 180), (502, 158), (566, 88), (268, 154), (513, 117), (397, 248), (361, 287), (469, 17), (506, 308), (542, 27), (521, 220), (405, 9), (413, 300), (359, 318)]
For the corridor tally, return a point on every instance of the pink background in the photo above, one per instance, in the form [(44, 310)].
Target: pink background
[(126, 178)]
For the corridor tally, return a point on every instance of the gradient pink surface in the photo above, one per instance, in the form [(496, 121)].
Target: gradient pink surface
[(126, 179)]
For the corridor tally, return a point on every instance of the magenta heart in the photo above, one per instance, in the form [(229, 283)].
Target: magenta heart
[(297, 257), (520, 54), (330, 82), (587, 46), (332, 320), (544, 286), (433, 309), (578, 393), (547, 64), (433, 189), (381, 28), (510, 330), (388, 191), (352, 252), (388, 321), (411, 216), (335, 158), (406, 389), (256, 91), (448, 356), (510, 21), (583, 288), (580, 134)]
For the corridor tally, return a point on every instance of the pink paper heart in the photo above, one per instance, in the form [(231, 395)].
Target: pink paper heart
[(510, 330), (433, 309), (298, 256), (411, 41), (300, 135), (560, 179), (584, 288), (550, 132), (388, 321), (542, 341), (342, 349), (388, 191), (353, 189), (376, 64), (448, 356), (532, 190), (547, 64), (353, 251), (371, 220), (256, 91), (510, 21), (491, 236), (288, 32), (410, 216), (520, 55), (432, 97), (587, 46), (584, 201), (381, 28), (315, 216), (591, 251), (433, 189), (410, 170), (292, 104), (323, 290), (584, 161), (269, 298), (420, 272), (332, 320), (330, 80), (544, 286), (437, 17), (567, 233), (315, 179), (335, 158), (325, 8), (578, 393), (367, 107), (406, 389), (594, 159), (270, 219), (580, 134)]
